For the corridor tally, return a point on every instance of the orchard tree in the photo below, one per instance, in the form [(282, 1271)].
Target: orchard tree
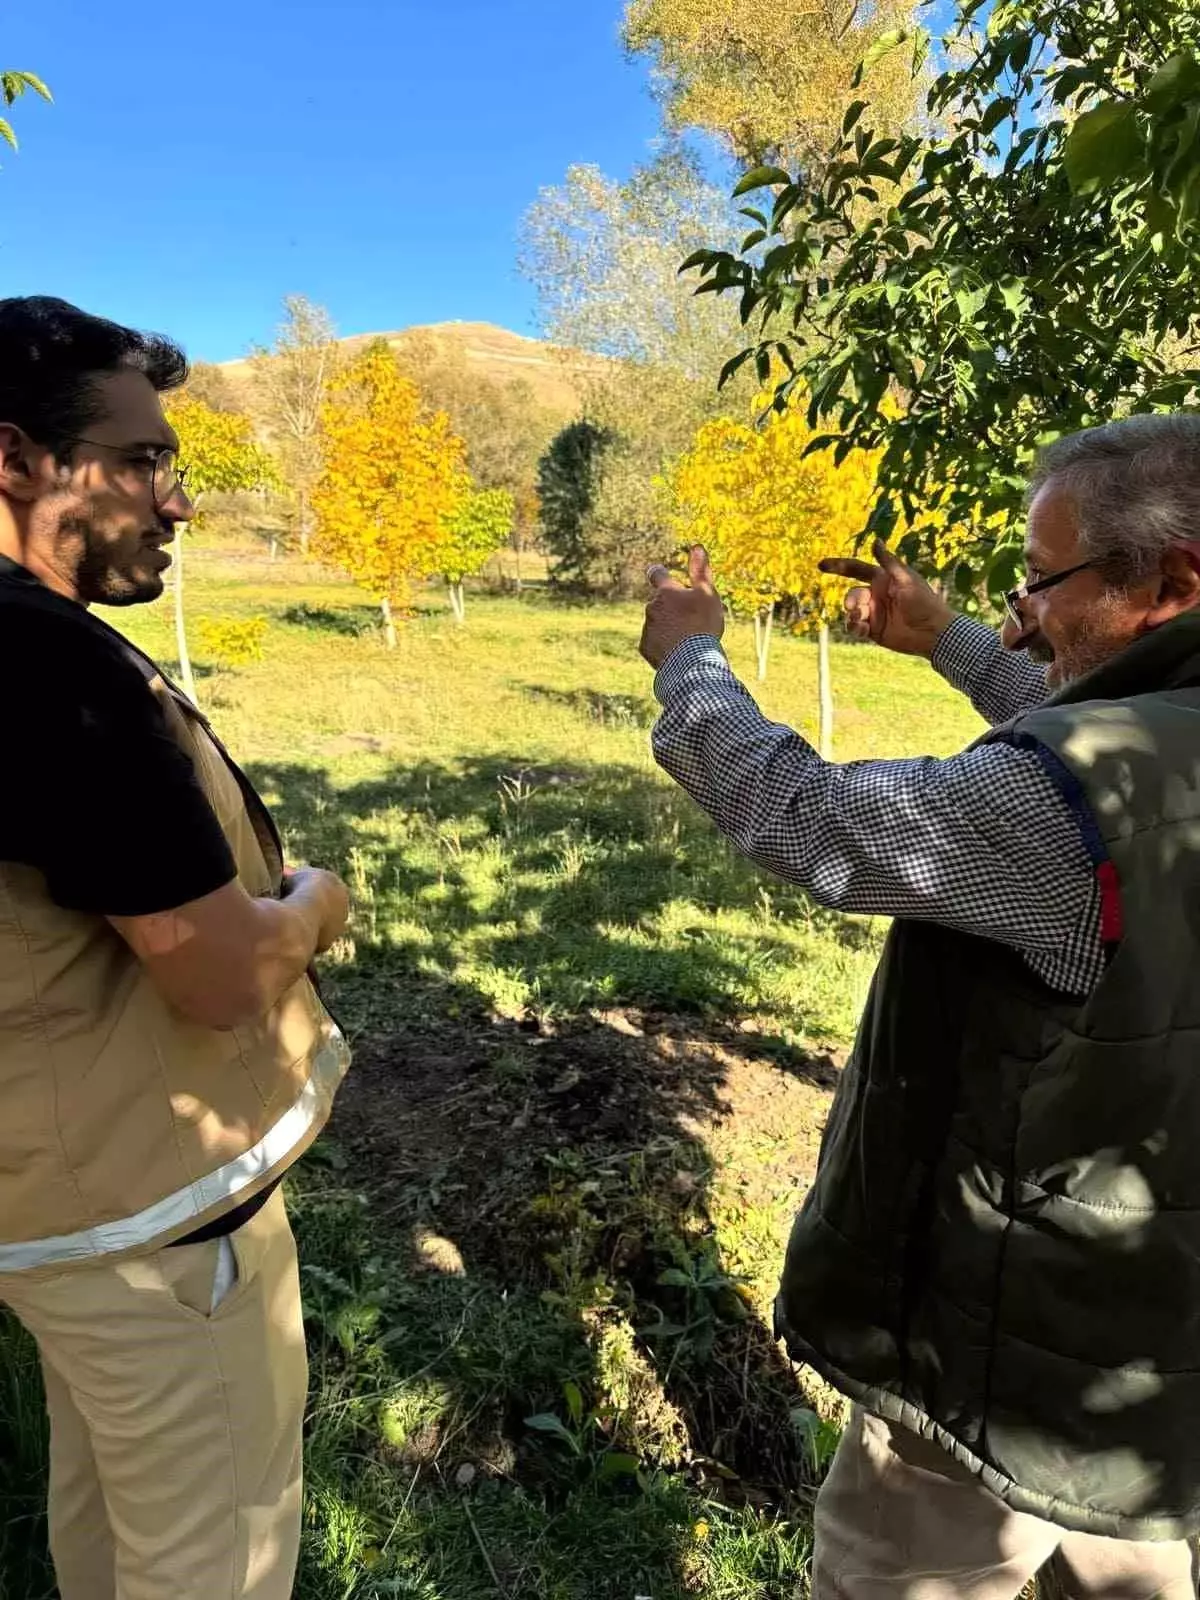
[(393, 478), (567, 485), (770, 79), (768, 511), (220, 455), (12, 86), (603, 259), (1033, 275), (471, 535), (500, 421), (291, 385)]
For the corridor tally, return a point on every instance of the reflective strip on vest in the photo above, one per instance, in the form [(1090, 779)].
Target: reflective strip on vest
[(225, 1184)]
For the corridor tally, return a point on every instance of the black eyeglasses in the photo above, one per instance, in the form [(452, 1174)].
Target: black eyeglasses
[(167, 476), (1014, 597)]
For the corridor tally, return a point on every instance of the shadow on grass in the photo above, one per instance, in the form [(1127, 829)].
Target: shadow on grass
[(534, 1373), (347, 622), (536, 1240), (610, 710)]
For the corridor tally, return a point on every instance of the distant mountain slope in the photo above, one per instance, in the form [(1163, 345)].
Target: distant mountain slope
[(556, 376)]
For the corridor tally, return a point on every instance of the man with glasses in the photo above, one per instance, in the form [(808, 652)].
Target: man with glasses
[(999, 1259), (164, 1055)]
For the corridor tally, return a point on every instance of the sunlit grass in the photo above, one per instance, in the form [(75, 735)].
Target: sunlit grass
[(518, 860)]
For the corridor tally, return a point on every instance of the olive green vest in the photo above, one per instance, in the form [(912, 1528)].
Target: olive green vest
[(1001, 1249)]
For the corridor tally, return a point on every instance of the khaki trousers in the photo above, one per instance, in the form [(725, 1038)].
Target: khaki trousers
[(175, 1423), (900, 1519)]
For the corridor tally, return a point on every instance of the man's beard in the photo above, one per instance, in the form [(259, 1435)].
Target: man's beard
[(97, 580), (1089, 645)]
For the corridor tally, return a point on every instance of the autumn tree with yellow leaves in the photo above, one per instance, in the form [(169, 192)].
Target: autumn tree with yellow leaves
[(769, 509), (771, 79), (767, 513), (393, 478)]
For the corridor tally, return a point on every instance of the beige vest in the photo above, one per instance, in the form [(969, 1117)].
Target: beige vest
[(122, 1126)]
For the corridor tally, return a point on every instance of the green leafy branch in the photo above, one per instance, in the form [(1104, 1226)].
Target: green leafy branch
[(12, 86), (956, 297)]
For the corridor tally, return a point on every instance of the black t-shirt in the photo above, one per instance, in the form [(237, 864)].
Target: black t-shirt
[(96, 794)]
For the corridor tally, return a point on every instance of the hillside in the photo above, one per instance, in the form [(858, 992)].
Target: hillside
[(557, 376)]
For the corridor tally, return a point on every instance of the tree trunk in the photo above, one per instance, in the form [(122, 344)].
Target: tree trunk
[(458, 603), (389, 623), (304, 519), (762, 637), (824, 694), (274, 547), (187, 681)]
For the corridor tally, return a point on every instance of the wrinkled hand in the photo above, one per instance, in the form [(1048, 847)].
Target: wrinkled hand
[(894, 605), (676, 613)]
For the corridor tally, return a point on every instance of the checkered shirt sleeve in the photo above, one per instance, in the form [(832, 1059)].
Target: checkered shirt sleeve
[(999, 683), (982, 841)]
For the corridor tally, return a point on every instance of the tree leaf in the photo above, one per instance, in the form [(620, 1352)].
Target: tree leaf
[(733, 365), (853, 112), (574, 1398), (1105, 145), (698, 258), (891, 39), (999, 111), (1002, 571), (760, 178), (547, 1422), (1176, 81), (7, 134), (616, 1464), (32, 81)]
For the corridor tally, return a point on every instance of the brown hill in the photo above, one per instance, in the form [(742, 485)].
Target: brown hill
[(556, 376)]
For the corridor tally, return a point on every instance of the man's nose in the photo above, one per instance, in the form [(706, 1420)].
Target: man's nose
[(1014, 638), (177, 507)]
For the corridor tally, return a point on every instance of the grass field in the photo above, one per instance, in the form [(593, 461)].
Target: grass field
[(594, 1052)]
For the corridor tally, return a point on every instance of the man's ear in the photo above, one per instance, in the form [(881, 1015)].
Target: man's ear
[(20, 463), (1178, 587)]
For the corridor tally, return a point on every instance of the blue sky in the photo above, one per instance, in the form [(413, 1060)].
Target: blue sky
[(203, 159)]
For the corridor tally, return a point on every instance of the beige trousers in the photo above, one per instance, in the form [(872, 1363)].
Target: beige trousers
[(900, 1519), (176, 1386)]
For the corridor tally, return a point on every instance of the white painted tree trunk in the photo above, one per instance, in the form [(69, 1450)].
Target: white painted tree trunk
[(458, 602), (762, 637), (305, 521), (389, 623), (187, 680), (824, 694)]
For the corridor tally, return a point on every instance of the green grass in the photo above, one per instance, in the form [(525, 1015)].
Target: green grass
[(591, 1079)]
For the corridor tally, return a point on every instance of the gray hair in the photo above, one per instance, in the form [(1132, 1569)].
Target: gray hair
[(1135, 485)]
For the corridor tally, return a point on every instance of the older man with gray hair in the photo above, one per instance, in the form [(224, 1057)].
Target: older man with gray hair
[(999, 1260)]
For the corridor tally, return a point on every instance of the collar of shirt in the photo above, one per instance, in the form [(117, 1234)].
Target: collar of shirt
[(13, 572)]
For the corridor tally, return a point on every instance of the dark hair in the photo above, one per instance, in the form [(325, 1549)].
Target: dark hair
[(51, 353)]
